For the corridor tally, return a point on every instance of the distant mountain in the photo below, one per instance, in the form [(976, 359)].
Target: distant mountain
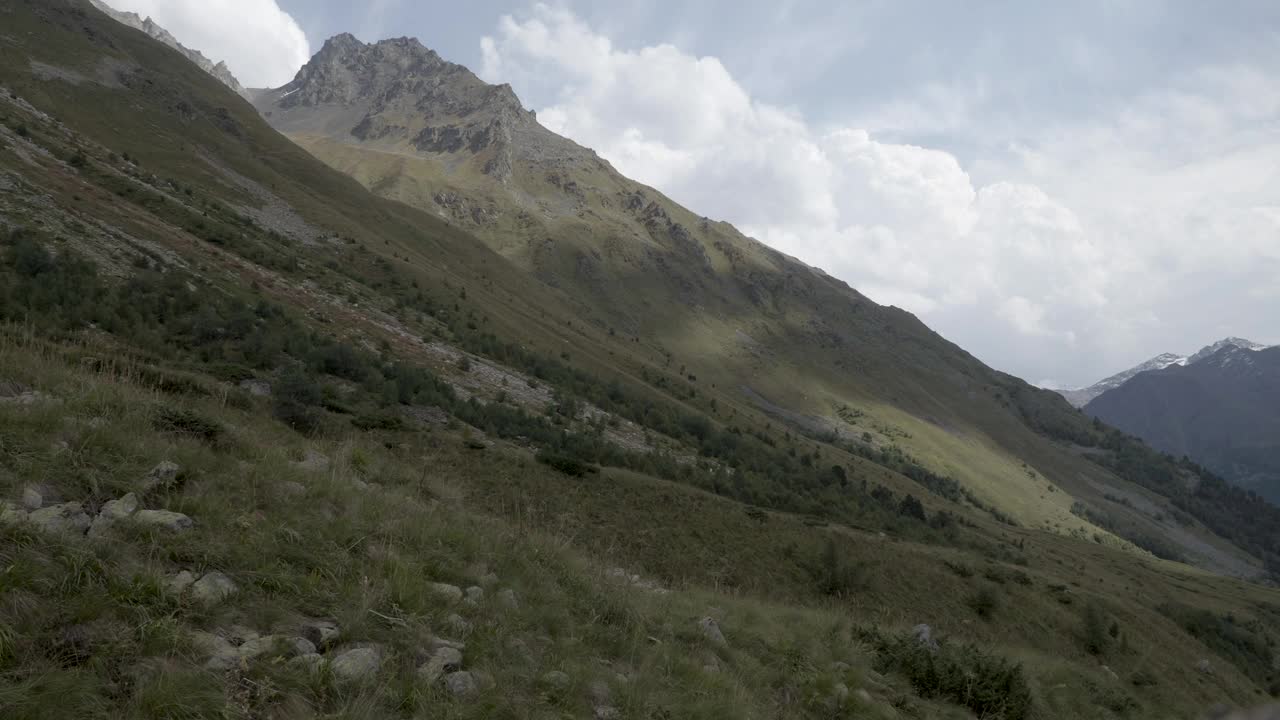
[(149, 26), (1082, 396), (1221, 409)]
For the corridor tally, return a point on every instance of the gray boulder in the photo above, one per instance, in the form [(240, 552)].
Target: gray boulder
[(924, 636), (474, 595), (168, 520), (556, 680), (178, 584), (67, 518), (321, 633), (443, 660), (113, 511), (445, 591), (507, 599), (220, 654), (461, 683), (163, 475), (10, 513), (31, 498), (213, 588), (356, 665), (711, 631)]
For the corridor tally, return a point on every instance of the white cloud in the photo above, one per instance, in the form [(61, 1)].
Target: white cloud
[(1085, 246), (904, 224), (261, 44)]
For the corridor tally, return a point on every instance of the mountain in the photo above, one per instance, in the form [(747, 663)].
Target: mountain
[(1221, 409), (1083, 396), (149, 26), (274, 445)]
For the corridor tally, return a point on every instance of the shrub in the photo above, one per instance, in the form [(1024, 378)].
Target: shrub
[(1095, 636), (835, 575), (985, 602), (186, 422), (565, 463), (990, 686)]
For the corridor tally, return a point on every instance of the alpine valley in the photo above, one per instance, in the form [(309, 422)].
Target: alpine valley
[(369, 396)]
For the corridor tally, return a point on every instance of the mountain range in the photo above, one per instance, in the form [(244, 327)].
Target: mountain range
[(1221, 409), (374, 397), (1082, 396)]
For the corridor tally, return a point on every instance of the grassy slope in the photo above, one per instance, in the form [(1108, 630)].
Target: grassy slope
[(544, 532)]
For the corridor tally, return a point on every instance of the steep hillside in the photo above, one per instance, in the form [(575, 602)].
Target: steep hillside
[(273, 446), (1222, 410), (762, 332)]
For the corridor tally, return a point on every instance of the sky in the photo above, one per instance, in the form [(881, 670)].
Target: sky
[(1063, 189)]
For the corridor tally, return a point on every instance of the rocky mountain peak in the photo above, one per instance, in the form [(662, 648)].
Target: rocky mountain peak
[(1228, 342)]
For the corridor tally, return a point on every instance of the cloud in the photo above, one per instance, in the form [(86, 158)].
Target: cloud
[(1075, 240), (261, 44), (905, 224)]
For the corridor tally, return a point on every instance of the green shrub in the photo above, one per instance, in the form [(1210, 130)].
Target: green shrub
[(565, 463), (186, 422), (986, 602), (990, 686), (1094, 632)]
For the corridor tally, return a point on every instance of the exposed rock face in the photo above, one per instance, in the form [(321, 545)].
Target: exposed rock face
[(149, 26), (398, 93)]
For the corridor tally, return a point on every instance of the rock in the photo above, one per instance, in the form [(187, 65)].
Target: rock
[(924, 636), (178, 584), (221, 654), (31, 499), (313, 460), (1110, 673), (321, 633), (67, 518), (356, 665), (255, 387), (10, 513), (436, 643), (112, 511), (475, 595), (711, 631), (164, 520), (489, 579), (519, 648), (461, 683), (310, 662), (163, 475), (507, 599), (293, 488), (457, 624), (444, 660), (862, 694), (280, 645), (445, 591), (1204, 666), (239, 634), (213, 588), (607, 712), (840, 667), (556, 680)]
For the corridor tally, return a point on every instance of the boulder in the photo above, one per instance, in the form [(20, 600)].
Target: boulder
[(924, 636), (600, 693), (213, 588), (606, 712), (461, 683), (443, 660), (321, 633), (220, 654), (711, 631), (1204, 666), (474, 595), (178, 584), (457, 624), (166, 520), (313, 460), (293, 488), (112, 511), (356, 665), (310, 663), (507, 599), (31, 498), (67, 518), (445, 591), (277, 646), (255, 387), (10, 513), (163, 475), (556, 681)]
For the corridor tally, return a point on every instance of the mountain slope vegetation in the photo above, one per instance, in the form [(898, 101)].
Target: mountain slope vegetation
[(274, 446)]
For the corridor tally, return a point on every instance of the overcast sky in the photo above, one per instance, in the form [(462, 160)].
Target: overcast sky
[(1064, 189)]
